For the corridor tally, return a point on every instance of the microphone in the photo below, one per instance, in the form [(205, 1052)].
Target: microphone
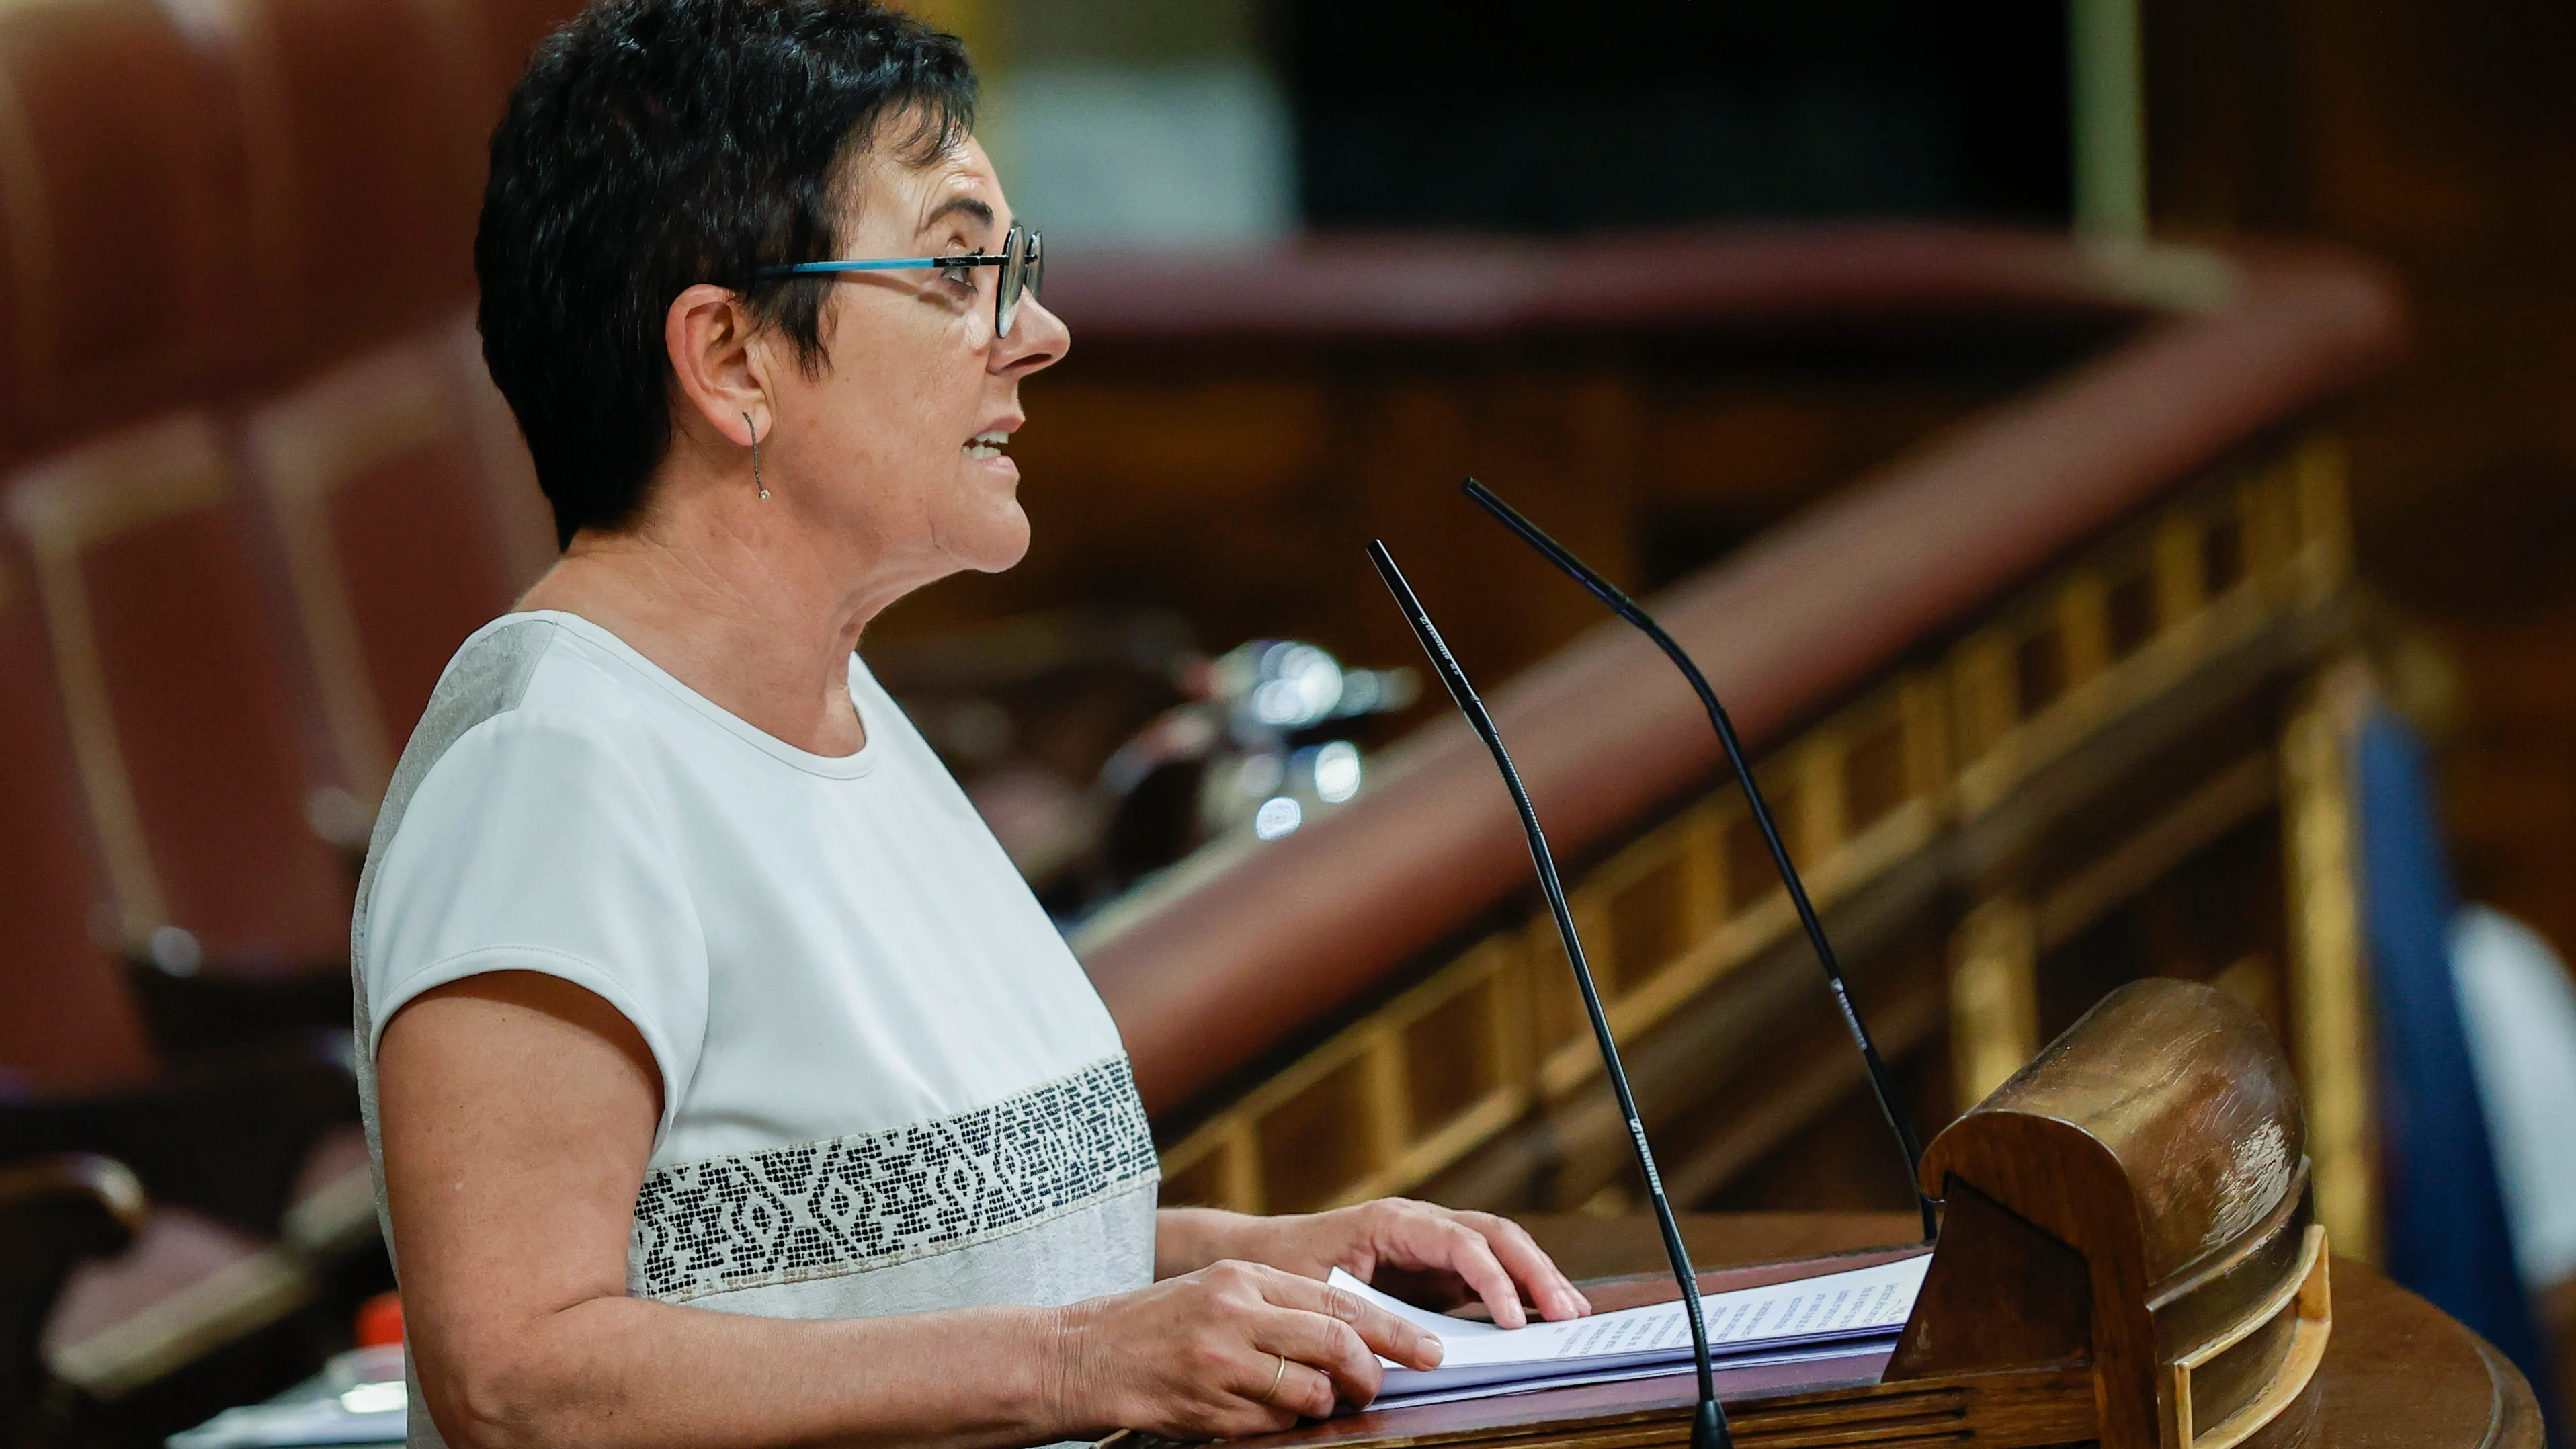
[(1708, 1426), (1626, 608)]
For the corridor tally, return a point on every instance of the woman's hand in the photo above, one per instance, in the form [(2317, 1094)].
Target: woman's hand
[(1230, 1350), (1422, 1253)]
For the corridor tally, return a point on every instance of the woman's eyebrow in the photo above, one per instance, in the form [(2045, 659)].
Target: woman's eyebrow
[(975, 207)]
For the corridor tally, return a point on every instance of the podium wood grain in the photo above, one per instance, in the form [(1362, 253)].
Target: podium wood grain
[(2397, 1373)]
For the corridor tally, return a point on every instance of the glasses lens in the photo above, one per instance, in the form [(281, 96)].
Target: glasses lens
[(1036, 280), (1015, 266)]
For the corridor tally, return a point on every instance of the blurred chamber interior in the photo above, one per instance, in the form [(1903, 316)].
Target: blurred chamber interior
[(2117, 454)]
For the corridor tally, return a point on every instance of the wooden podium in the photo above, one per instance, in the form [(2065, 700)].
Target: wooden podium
[(2127, 1257)]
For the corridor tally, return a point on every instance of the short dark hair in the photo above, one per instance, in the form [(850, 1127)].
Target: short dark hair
[(656, 144)]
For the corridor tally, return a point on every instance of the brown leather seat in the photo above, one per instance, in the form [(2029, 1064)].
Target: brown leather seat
[(403, 530), (185, 702), (54, 1212), (126, 247), (365, 127), (66, 1022)]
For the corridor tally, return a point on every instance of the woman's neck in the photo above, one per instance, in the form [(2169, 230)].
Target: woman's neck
[(736, 605)]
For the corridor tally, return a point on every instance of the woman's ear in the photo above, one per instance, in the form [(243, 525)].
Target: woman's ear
[(720, 362)]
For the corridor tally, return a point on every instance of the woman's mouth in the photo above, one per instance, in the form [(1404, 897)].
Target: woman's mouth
[(987, 445)]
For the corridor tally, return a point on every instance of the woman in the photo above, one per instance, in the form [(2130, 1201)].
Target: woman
[(730, 1087)]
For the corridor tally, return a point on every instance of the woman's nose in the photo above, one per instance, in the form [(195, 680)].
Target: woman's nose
[(1039, 339)]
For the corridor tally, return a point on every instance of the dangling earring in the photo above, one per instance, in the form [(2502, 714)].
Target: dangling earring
[(755, 457)]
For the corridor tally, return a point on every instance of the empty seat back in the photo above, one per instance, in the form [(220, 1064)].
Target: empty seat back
[(125, 245), (186, 711), (66, 1021), (509, 475), (397, 542), (364, 127)]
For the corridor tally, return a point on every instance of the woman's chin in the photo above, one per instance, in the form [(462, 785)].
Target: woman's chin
[(991, 544)]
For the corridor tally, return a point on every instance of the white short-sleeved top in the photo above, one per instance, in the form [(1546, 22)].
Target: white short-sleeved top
[(887, 1085)]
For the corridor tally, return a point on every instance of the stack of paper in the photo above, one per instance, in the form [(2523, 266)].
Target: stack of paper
[(1856, 1311)]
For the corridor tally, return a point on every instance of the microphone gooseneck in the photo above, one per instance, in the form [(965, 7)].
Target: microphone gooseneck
[(1626, 608), (1708, 1426)]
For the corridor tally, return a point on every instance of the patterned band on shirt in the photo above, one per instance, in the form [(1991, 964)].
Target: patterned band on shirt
[(821, 1209)]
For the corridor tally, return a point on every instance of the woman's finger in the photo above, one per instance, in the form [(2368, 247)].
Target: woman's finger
[(1329, 1329), (1382, 1332), (1419, 1235), (1324, 1344), (1464, 1251), (1305, 1392), (1529, 1264)]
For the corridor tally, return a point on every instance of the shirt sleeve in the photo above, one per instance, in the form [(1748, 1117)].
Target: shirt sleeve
[(533, 845)]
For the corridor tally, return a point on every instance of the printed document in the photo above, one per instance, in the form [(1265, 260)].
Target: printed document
[(1846, 1311)]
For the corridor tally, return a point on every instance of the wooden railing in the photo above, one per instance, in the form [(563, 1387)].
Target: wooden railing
[(1367, 1005), (1405, 1092)]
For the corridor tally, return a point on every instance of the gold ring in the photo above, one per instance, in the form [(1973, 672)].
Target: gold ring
[(1276, 1377)]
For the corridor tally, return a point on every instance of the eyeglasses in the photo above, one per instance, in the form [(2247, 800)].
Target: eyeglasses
[(1022, 260)]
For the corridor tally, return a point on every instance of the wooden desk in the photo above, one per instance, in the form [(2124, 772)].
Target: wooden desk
[(2397, 1371)]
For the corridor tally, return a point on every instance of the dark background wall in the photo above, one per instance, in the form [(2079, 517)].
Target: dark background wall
[(2436, 137), (1524, 115)]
